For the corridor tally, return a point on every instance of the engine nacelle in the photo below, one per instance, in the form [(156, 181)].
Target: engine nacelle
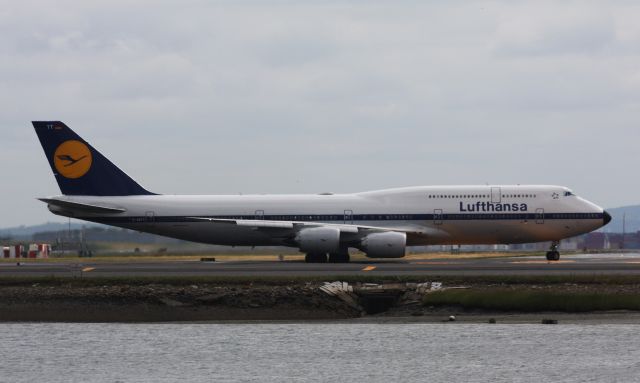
[(319, 240), (384, 245)]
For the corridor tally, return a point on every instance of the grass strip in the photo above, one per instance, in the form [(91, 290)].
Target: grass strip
[(194, 280), (497, 281), (524, 300)]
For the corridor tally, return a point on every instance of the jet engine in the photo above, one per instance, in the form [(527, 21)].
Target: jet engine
[(384, 245), (318, 240)]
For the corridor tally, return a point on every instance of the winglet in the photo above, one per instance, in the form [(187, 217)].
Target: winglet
[(78, 167)]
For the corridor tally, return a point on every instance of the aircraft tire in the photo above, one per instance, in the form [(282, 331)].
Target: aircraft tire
[(339, 258), (553, 256), (315, 258)]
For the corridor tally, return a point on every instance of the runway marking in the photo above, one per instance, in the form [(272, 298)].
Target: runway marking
[(87, 269), (541, 262), (369, 268)]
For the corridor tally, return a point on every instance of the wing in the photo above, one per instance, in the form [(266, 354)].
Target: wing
[(356, 231)]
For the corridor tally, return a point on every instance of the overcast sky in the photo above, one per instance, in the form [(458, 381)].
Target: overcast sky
[(206, 97)]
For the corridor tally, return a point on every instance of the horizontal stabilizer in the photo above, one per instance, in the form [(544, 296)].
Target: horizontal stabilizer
[(77, 206)]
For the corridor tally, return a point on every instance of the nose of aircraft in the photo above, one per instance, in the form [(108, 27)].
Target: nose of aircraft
[(606, 217)]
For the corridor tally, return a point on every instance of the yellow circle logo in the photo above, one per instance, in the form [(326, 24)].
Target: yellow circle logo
[(72, 159)]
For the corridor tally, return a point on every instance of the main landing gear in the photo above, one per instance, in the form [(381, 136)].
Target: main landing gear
[(315, 258), (553, 254), (339, 257)]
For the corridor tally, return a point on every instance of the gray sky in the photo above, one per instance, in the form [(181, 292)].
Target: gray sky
[(204, 97)]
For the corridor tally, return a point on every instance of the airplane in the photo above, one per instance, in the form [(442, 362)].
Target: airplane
[(381, 223)]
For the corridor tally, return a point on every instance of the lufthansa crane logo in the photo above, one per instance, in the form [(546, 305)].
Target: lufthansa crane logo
[(72, 159)]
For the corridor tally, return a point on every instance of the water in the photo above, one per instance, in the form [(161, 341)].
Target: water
[(318, 353)]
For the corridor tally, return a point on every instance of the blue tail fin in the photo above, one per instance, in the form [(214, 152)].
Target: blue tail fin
[(78, 167)]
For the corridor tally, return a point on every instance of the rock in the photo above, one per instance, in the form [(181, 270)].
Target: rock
[(211, 298), (171, 302)]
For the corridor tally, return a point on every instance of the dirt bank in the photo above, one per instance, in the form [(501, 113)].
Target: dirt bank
[(69, 300), (161, 302)]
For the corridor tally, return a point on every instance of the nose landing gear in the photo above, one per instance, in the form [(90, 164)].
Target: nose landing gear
[(553, 254)]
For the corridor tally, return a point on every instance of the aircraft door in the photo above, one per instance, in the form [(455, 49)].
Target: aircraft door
[(150, 216), (496, 195), (539, 216), (259, 214), (348, 216), (437, 216)]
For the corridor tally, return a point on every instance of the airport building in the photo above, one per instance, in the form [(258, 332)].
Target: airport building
[(34, 250)]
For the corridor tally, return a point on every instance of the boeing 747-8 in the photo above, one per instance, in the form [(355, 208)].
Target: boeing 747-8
[(380, 223)]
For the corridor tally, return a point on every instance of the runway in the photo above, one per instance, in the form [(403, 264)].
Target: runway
[(580, 264)]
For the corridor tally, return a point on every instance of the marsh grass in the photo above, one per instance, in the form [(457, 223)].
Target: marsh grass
[(526, 300)]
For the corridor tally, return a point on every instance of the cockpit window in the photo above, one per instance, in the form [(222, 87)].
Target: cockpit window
[(568, 193)]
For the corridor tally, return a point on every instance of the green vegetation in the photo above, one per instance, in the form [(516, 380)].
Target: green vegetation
[(525, 280), (527, 300), (573, 294)]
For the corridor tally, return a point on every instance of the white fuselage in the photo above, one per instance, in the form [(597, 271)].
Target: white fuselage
[(429, 215)]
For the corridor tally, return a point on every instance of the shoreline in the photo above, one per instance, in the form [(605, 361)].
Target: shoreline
[(241, 301)]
